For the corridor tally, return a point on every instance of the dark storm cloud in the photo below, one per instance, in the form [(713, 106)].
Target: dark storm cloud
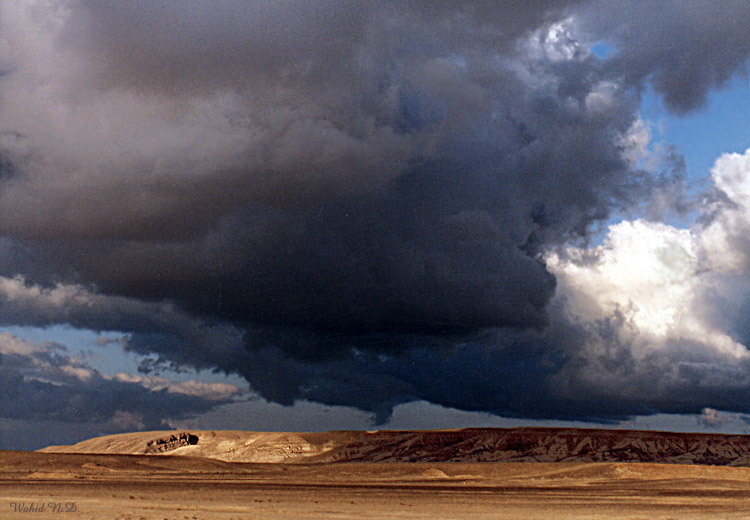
[(340, 45), (364, 190), (683, 48), (404, 182), (569, 372), (26, 304)]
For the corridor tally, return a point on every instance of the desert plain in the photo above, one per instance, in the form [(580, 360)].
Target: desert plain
[(179, 475)]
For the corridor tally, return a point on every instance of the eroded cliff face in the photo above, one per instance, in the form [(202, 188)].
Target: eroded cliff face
[(468, 445), (548, 445)]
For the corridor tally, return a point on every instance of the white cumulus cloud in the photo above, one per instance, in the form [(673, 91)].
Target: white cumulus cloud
[(662, 281)]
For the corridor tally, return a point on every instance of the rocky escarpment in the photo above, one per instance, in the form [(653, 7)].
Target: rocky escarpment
[(467, 445), (548, 445), (174, 441)]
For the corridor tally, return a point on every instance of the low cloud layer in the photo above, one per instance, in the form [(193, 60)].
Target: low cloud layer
[(44, 383), (372, 205)]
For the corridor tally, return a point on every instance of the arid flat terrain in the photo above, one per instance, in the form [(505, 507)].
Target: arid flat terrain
[(171, 487), (382, 475)]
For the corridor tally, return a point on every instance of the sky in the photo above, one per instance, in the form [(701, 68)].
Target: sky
[(318, 215)]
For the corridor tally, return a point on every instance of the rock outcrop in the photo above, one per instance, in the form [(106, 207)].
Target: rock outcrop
[(174, 441)]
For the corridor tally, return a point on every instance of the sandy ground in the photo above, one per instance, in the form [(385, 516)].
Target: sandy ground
[(151, 487)]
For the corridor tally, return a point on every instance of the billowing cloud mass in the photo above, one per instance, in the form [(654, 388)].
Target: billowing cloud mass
[(664, 309), (368, 205)]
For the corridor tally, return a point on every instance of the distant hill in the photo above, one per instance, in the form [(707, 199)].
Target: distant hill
[(466, 445)]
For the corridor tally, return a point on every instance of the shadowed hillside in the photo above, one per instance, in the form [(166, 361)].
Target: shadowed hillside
[(467, 445)]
